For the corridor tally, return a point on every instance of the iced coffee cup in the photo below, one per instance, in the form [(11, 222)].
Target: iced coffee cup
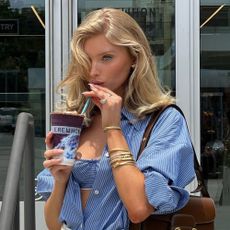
[(66, 128)]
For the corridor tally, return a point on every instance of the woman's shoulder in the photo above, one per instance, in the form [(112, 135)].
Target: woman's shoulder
[(169, 112), (168, 121)]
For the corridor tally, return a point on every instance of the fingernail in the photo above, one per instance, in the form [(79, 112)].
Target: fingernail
[(92, 86)]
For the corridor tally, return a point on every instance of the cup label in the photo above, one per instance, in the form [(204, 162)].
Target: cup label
[(65, 130)]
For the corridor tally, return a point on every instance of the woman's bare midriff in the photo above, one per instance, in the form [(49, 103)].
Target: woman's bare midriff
[(84, 196)]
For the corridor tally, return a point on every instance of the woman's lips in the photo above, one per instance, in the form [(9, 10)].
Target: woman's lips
[(96, 83)]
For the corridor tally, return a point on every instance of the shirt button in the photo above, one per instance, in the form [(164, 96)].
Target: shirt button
[(81, 226), (107, 154), (96, 192)]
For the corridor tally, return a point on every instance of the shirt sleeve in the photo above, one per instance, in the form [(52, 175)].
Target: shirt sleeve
[(45, 182), (167, 163)]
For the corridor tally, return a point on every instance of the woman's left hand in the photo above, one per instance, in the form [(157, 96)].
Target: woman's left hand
[(108, 102)]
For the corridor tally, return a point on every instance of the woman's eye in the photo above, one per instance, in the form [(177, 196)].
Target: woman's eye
[(107, 58)]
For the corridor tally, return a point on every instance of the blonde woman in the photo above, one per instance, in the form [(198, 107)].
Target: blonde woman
[(107, 188)]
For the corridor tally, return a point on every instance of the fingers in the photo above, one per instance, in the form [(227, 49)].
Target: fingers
[(56, 169), (52, 153), (52, 162), (98, 92), (51, 157), (48, 140), (101, 92), (108, 102), (101, 96)]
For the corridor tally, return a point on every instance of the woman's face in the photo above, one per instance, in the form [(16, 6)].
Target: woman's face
[(110, 64)]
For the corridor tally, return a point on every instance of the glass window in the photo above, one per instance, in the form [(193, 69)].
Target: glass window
[(157, 19), (22, 73), (215, 103)]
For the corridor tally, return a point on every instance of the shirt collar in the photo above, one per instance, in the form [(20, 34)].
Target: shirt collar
[(132, 119)]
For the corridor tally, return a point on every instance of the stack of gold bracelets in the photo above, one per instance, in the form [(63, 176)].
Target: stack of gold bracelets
[(119, 156)]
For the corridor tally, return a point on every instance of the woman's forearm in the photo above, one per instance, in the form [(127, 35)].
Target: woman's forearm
[(53, 206), (129, 181)]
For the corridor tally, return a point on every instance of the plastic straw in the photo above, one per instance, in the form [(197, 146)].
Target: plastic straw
[(86, 105)]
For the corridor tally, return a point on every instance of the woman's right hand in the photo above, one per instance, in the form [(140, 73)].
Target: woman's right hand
[(60, 173)]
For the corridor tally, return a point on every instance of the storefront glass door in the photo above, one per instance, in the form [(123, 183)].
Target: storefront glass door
[(215, 104), (22, 73)]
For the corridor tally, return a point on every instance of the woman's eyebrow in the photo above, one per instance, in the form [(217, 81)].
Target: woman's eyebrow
[(106, 52), (109, 51)]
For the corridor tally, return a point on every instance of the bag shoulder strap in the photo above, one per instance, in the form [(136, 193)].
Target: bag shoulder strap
[(148, 129), (154, 117)]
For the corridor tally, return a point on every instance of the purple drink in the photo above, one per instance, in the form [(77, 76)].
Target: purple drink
[(66, 128), (63, 124)]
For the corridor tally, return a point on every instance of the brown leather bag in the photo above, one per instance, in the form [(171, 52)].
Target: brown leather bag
[(198, 214)]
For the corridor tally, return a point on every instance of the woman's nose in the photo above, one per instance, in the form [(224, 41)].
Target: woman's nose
[(94, 70)]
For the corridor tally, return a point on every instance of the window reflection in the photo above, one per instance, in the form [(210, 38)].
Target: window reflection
[(215, 100), (22, 74)]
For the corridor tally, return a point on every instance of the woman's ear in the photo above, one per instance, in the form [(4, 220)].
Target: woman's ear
[(134, 62)]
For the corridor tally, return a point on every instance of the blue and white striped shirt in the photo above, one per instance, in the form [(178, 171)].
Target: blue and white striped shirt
[(167, 163)]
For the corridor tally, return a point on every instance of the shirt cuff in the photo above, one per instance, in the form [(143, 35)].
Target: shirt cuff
[(163, 197), (45, 183)]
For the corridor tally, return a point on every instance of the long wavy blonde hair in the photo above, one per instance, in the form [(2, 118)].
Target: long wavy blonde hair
[(144, 93)]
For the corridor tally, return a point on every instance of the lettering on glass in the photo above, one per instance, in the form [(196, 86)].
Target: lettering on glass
[(9, 26)]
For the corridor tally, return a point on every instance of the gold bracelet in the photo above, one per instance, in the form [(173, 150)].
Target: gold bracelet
[(111, 128), (121, 160), (118, 164), (117, 154), (118, 150), (120, 155)]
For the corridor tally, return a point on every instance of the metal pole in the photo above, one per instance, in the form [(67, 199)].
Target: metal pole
[(16, 223), (10, 195), (29, 196)]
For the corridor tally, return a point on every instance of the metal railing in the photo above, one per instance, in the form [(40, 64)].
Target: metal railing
[(23, 147)]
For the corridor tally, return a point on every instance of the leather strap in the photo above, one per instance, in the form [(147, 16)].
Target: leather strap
[(148, 129)]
